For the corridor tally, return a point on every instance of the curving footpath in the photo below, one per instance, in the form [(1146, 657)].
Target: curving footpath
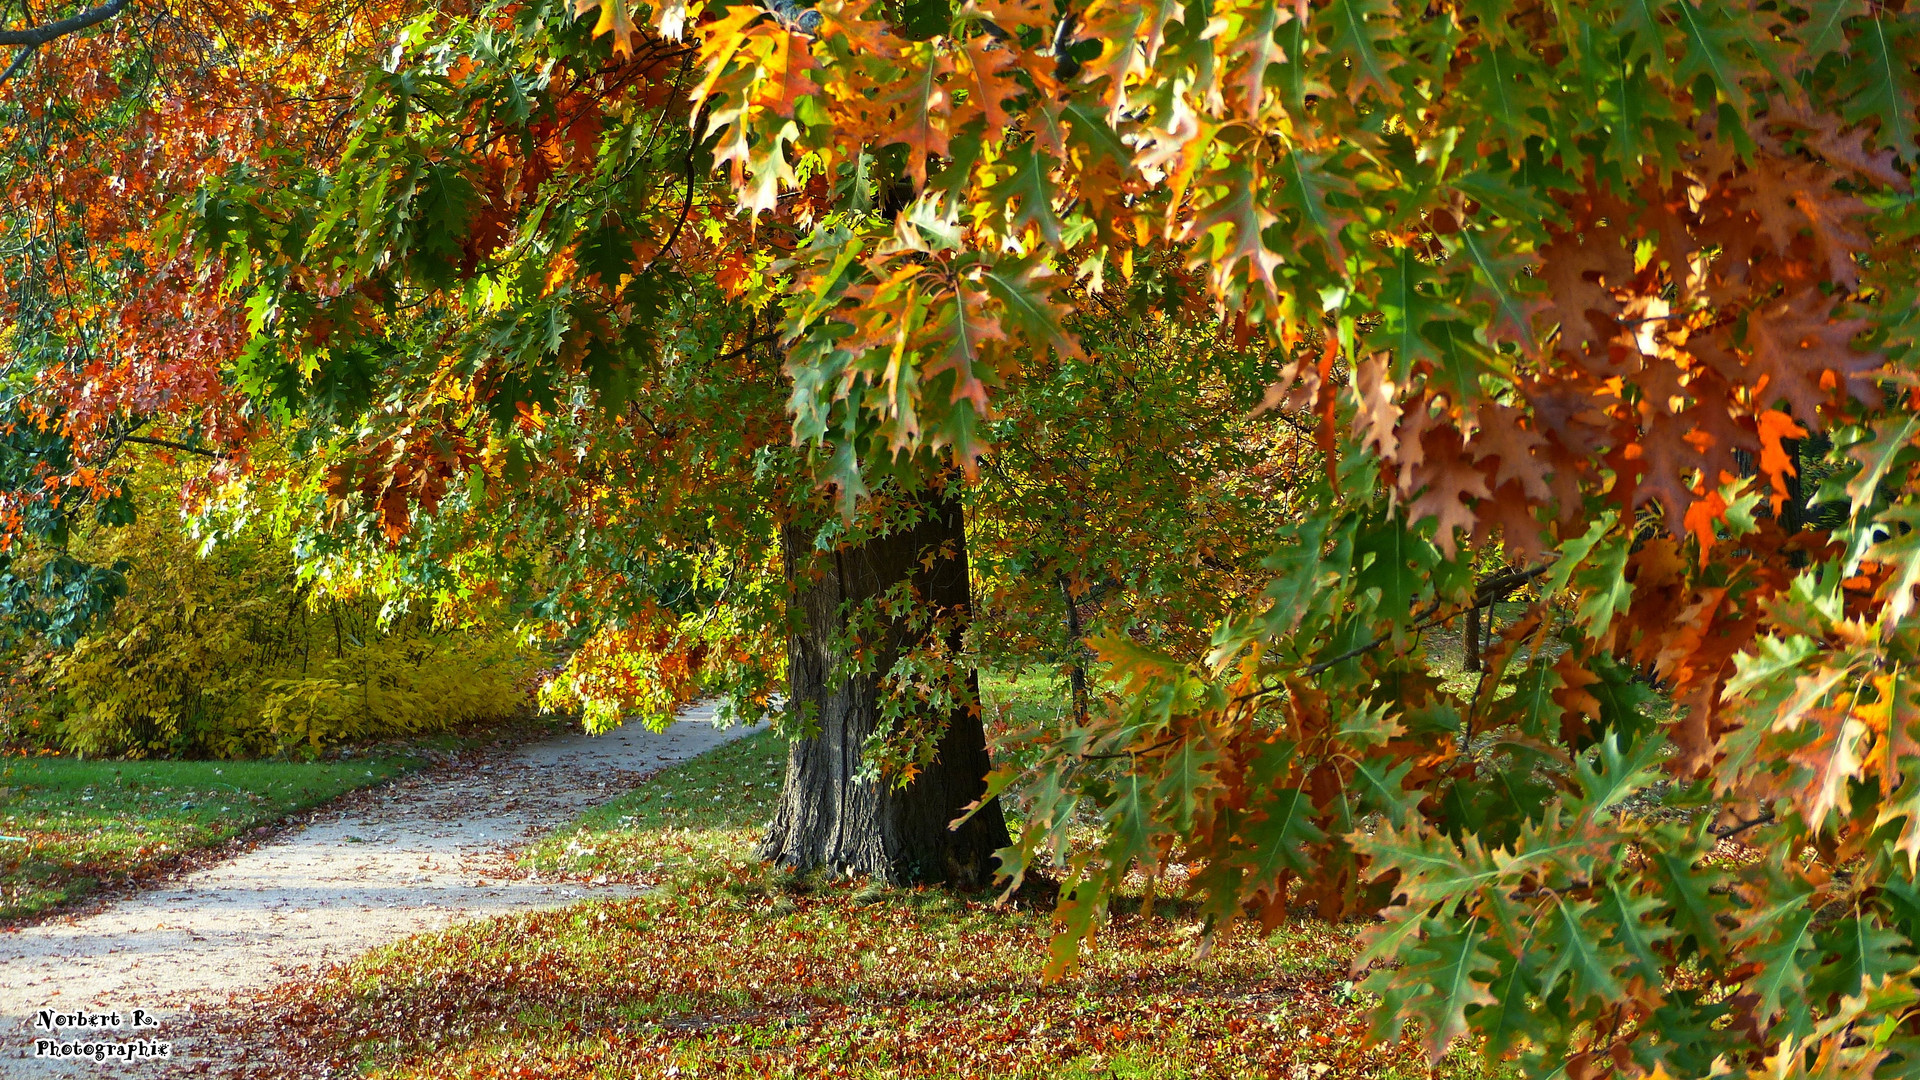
[(430, 849)]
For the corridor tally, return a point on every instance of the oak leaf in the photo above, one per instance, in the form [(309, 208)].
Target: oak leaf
[(1775, 463), (1231, 224), (1379, 412), (1499, 435), (1582, 271), (1799, 350), (1361, 31), (616, 17), (1452, 484), (1247, 31)]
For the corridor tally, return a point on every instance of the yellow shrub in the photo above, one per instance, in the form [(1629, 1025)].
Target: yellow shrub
[(230, 655)]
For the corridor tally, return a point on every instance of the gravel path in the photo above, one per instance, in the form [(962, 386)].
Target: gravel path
[(430, 849)]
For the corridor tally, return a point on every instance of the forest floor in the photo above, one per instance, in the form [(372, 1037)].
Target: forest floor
[(433, 847), (725, 967)]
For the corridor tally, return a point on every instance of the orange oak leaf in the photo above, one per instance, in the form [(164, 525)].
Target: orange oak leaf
[(616, 16), (1231, 224), (786, 68), (1582, 269), (1577, 705), (1701, 517), (1379, 411), (1508, 513), (1452, 484), (1500, 435), (1801, 353), (1250, 31), (922, 107), (1830, 760), (1132, 34), (1775, 463)]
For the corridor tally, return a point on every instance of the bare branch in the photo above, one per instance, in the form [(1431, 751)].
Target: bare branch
[(1544, 890), (19, 62), (1484, 595), (37, 36), (1161, 745)]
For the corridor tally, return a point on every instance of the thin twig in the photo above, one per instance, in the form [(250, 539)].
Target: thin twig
[(748, 347), (1161, 745), (1485, 595), (686, 209), (1547, 890), (1728, 832)]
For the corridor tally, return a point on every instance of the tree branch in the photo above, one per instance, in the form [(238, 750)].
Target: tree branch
[(686, 209), (1546, 890), (19, 62), (748, 347), (37, 36), (169, 444), (1161, 745), (1728, 832), (1484, 595)]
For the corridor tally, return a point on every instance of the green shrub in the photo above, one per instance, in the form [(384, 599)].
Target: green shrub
[(230, 655)]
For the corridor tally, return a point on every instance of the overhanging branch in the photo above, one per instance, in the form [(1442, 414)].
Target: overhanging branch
[(34, 37)]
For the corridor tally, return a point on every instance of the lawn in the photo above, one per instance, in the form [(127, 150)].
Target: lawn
[(731, 969), (703, 813), (71, 826)]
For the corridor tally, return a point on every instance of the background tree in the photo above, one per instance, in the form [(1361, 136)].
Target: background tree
[(113, 345)]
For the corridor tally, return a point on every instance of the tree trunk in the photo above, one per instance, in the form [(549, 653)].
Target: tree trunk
[(827, 815), (1793, 510), (1076, 653), (1470, 639)]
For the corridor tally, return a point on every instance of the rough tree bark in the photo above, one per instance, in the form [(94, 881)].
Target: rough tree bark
[(827, 816)]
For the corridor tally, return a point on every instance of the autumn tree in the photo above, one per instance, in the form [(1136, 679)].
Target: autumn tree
[(520, 341), (113, 346), (489, 299)]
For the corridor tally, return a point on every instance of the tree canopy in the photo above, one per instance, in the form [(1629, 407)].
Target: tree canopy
[(1306, 326)]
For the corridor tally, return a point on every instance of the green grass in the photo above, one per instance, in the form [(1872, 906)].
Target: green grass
[(733, 969), (1036, 695), (703, 810), (72, 826)]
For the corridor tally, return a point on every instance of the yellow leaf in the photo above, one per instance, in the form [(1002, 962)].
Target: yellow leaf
[(615, 15)]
